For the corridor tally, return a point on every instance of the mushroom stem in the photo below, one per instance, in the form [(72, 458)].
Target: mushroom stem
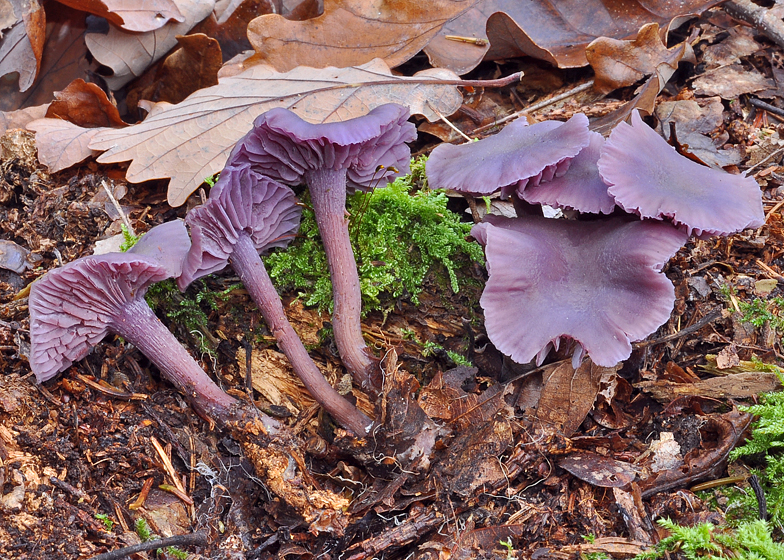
[(246, 262), (328, 195), (138, 325)]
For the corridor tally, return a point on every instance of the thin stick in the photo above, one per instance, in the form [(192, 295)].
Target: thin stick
[(443, 118), (756, 165), (117, 207), (199, 538), (537, 106)]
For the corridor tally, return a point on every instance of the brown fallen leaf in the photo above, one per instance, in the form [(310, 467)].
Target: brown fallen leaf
[(131, 15), (191, 140), (351, 32), (192, 67), (84, 105), (129, 54), (568, 394), (619, 63), (598, 470), (731, 81), (20, 118), (732, 386), (61, 143), (553, 30), (64, 60), (21, 47)]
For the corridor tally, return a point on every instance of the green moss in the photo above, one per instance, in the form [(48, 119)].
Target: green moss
[(749, 541), (399, 234)]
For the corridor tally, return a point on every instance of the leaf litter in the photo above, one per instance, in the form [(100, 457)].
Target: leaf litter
[(492, 459)]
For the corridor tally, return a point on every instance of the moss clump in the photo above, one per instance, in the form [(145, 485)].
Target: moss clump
[(749, 541), (399, 233)]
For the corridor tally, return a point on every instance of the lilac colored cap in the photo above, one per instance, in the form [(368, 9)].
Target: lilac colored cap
[(649, 178), (241, 200), (597, 282), (580, 188), (518, 156), (72, 308), (166, 245), (284, 147)]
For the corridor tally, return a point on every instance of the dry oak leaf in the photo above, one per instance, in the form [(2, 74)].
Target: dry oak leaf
[(78, 113), (22, 46), (553, 30), (351, 32), (129, 54), (619, 63), (192, 140), (20, 117), (131, 15), (191, 67), (61, 143)]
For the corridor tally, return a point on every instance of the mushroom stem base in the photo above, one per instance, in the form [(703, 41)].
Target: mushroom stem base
[(246, 262), (138, 325)]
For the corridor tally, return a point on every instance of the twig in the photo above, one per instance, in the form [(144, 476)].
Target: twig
[(759, 17), (762, 504), (537, 106), (709, 318), (117, 207), (756, 165), (449, 124), (766, 106), (199, 538)]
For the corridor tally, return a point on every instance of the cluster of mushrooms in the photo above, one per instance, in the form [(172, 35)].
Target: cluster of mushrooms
[(594, 282)]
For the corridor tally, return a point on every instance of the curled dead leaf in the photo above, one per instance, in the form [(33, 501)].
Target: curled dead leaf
[(22, 47), (131, 15), (352, 32)]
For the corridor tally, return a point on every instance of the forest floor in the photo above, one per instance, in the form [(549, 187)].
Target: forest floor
[(526, 459)]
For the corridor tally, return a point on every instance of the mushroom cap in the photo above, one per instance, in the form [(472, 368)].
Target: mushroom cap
[(284, 147), (241, 201), (519, 155), (166, 245), (649, 178), (73, 307), (580, 188), (596, 282)]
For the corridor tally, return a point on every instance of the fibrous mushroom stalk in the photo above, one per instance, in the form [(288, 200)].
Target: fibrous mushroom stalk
[(328, 196), (138, 325), (246, 262)]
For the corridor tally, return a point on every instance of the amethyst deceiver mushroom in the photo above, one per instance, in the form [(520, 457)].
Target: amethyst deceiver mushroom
[(519, 156), (580, 188), (248, 213), (597, 283), (330, 158), (649, 178), (74, 307)]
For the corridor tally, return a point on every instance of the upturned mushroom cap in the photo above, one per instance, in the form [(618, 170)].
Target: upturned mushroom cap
[(649, 178), (284, 147), (597, 282), (580, 188), (72, 308), (518, 156), (264, 209)]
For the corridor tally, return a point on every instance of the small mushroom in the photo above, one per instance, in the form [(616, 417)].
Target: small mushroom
[(248, 213), (598, 283), (74, 307), (359, 153), (519, 156), (649, 178), (580, 188)]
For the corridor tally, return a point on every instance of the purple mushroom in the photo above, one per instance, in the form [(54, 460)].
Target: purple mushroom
[(649, 178), (580, 188), (598, 283), (519, 156), (74, 307), (359, 153), (248, 213)]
